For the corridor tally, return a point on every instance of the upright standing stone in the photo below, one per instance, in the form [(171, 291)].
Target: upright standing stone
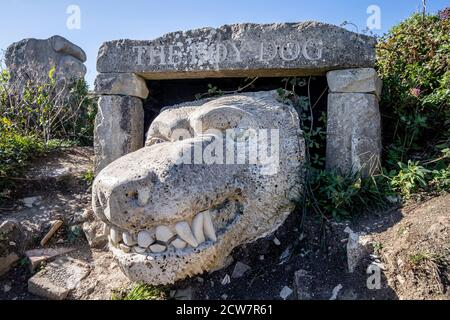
[(119, 129), (32, 59), (354, 122), (353, 133)]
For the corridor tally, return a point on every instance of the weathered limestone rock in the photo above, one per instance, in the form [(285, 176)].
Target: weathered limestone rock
[(127, 84), (239, 270), (362, 80), (285, 292), (7, 262), (185, 294), (10, 241), (32, 59), (119, 129), (358, 247), (58, 278), (303, 284), (197, 204), (96, 233), (64, 46), (241, 50), (353, 133), (31, 201), (39, 256)]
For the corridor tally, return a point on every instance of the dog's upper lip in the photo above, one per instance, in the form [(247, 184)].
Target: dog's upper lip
[(132, 206)]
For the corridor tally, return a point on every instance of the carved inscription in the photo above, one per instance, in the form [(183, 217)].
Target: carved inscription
[(227, 51)]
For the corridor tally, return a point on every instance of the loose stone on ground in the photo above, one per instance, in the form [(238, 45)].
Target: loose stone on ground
[(38, 256), (239, 270), (58, 278)]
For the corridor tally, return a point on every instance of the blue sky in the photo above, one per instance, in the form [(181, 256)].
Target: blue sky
[(104, 20)]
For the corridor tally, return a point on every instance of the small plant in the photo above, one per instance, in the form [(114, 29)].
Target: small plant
[(15, 151), (441, 179), (377, 247), (89, 176), (24, 262), (410, 178), (418, 258), (344, 195), (141, 292), (75, 232)]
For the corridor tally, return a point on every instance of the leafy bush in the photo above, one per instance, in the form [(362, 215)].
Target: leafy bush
[(410, 178), (39, 118), (49, 110), (413, 62), (15, 150), (344, 195)]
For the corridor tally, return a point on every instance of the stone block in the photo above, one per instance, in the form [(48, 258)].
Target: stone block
[(363, 80), (7, 262), (127, 84), (353, 133), (119, 129), (58, 278), (241, 50)]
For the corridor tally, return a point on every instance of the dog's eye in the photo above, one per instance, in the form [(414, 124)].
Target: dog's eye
[(154, 140)]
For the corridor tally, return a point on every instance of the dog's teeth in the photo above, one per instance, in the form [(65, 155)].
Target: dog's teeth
[(197, 228), (115, 235), (145, 238), (129, 239), (208, 227), (164, 234), (139, 249), (184, 231), (179, 244), (125, 248), (157, 248)]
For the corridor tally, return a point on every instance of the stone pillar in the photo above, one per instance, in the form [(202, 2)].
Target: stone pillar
[(119, 124), (354, 123)]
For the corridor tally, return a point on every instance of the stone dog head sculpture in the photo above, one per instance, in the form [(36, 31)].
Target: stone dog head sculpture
[(171, 218)]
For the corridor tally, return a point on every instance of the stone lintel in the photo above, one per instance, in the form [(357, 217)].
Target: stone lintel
[(241, 50)]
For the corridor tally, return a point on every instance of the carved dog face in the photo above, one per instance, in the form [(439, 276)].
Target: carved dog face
[(172, 216)]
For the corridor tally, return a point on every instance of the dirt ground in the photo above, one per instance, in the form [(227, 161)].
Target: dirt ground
[(411, 245)]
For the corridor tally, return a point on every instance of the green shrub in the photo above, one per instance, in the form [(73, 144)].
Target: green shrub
[(49, 110), (410, 178), (15, 150), (40, 118), (342, 196), (413, 62)]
